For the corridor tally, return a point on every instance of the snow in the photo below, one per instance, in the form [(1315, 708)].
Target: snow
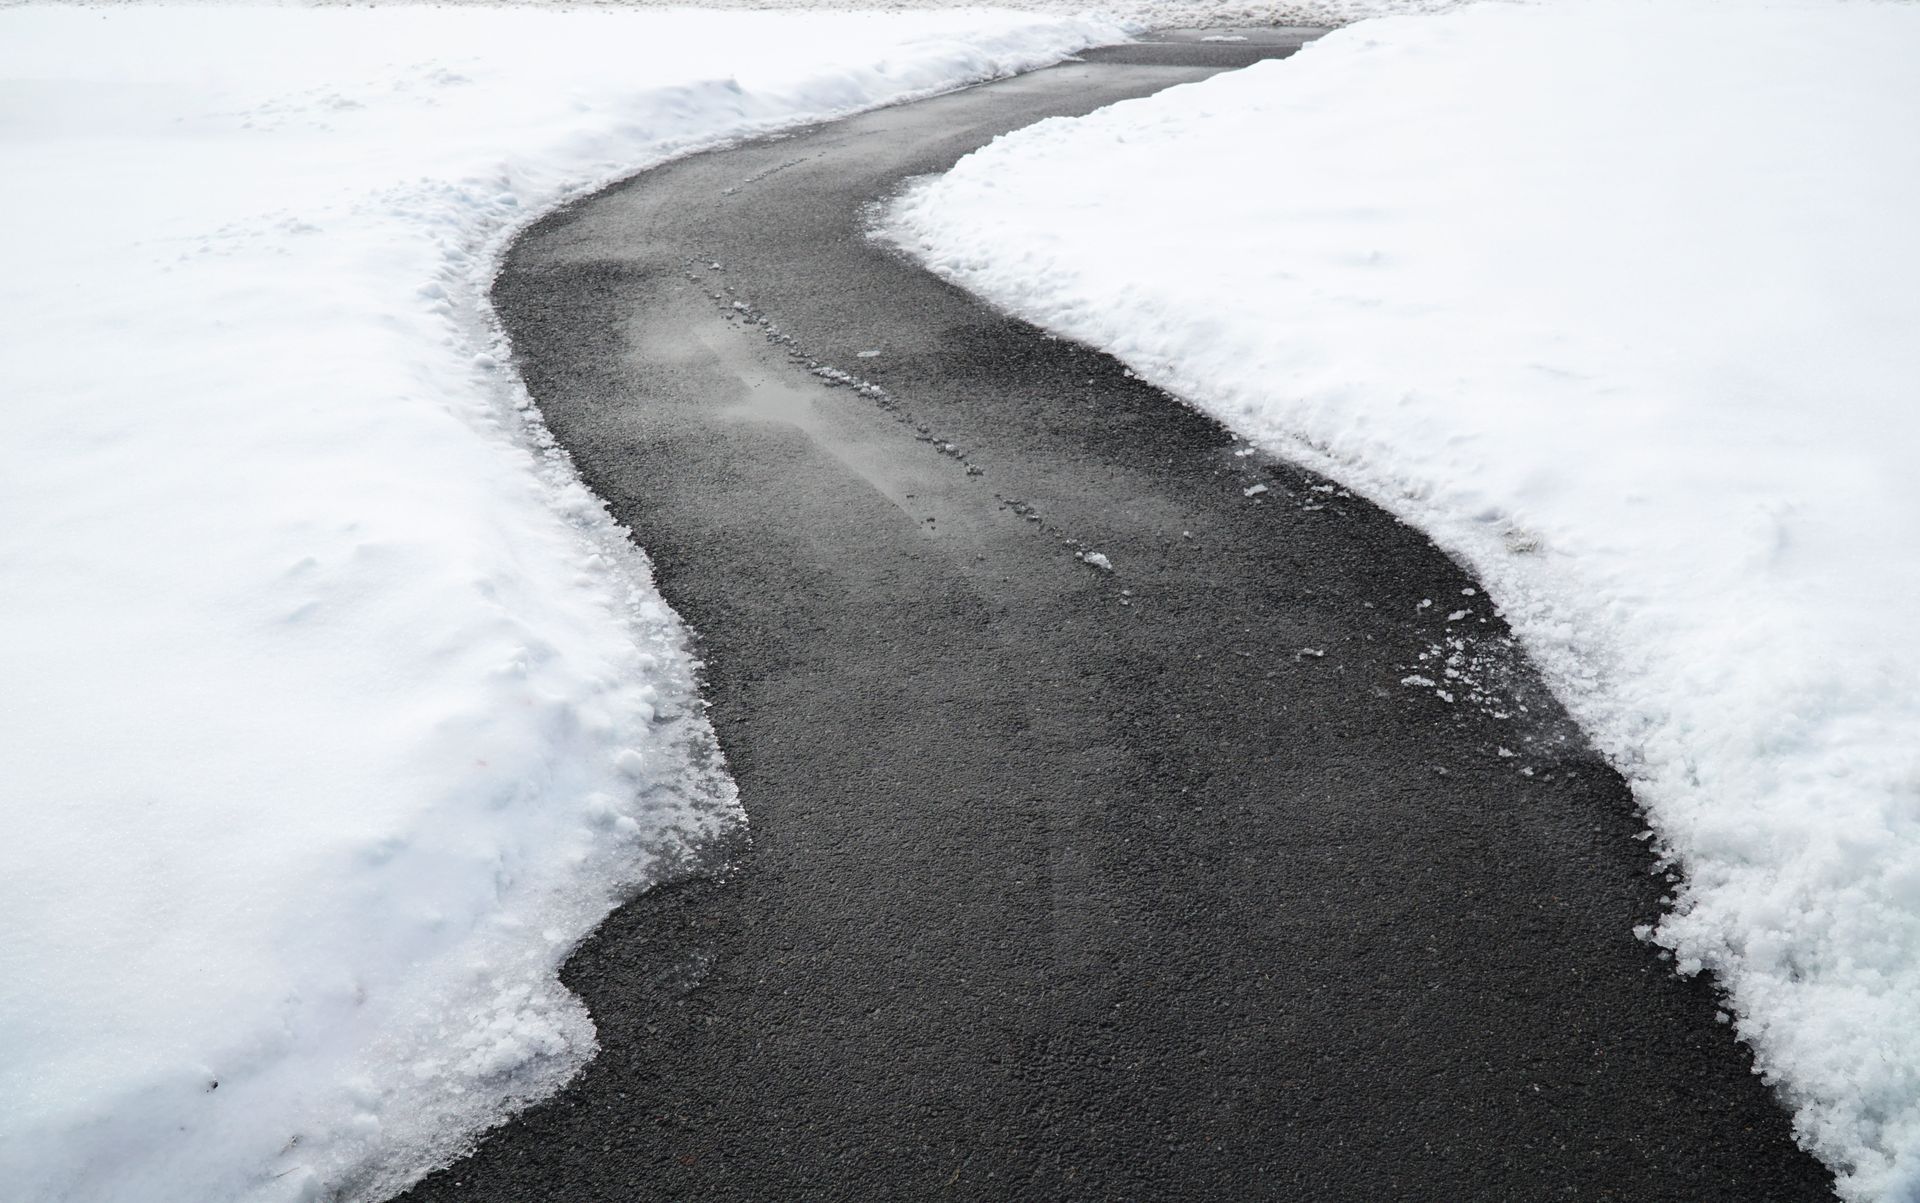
[(1616, 301), (1220, 16), (337, 710)]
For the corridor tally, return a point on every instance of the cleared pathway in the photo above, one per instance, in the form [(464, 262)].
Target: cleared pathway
[(1153, 883)]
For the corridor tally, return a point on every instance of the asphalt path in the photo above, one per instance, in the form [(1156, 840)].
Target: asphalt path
[(1065, 883)]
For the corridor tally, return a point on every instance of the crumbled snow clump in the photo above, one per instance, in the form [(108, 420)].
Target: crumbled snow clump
[(336, 709), (1617, 301)]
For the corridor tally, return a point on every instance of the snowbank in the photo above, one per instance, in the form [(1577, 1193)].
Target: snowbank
[(1137, 14), (1618, 302), (336, 710)]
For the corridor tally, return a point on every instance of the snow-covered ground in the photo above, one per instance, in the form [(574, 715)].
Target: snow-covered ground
[(336, 710), (1618, 301), (1138, 14)]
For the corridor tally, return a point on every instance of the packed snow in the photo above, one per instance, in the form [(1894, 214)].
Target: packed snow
[(336, 710), (1618, 302)]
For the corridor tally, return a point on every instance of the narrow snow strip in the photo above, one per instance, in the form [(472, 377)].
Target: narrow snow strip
[(1169, 14), (336, 710), (1173, 14), (1618, 302)]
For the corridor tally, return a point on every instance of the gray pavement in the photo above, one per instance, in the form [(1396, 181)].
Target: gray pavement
[(1069, 884)]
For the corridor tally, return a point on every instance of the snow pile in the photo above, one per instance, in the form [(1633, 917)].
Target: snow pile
[(1136, 14), (1617, 301), (336, 709)]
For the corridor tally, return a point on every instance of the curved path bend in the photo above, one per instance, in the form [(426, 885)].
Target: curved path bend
[(1069, 884)]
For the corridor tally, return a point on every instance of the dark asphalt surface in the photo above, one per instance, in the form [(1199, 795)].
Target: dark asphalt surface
[(1066, 884)]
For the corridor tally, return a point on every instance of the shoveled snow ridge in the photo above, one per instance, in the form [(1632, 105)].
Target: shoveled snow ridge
[(1616, 301), (1138, 15), (337, 709)]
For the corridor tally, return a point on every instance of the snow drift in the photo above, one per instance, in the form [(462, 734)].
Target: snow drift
[(1617, 301), (336, 709)]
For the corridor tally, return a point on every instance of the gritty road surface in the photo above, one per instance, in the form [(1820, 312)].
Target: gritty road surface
[(1154, 883)]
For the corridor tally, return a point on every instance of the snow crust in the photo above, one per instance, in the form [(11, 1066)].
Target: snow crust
[(336, 709), (1617, 301)]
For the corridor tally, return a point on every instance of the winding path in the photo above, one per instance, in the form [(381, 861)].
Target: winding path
[(1154, 883)]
